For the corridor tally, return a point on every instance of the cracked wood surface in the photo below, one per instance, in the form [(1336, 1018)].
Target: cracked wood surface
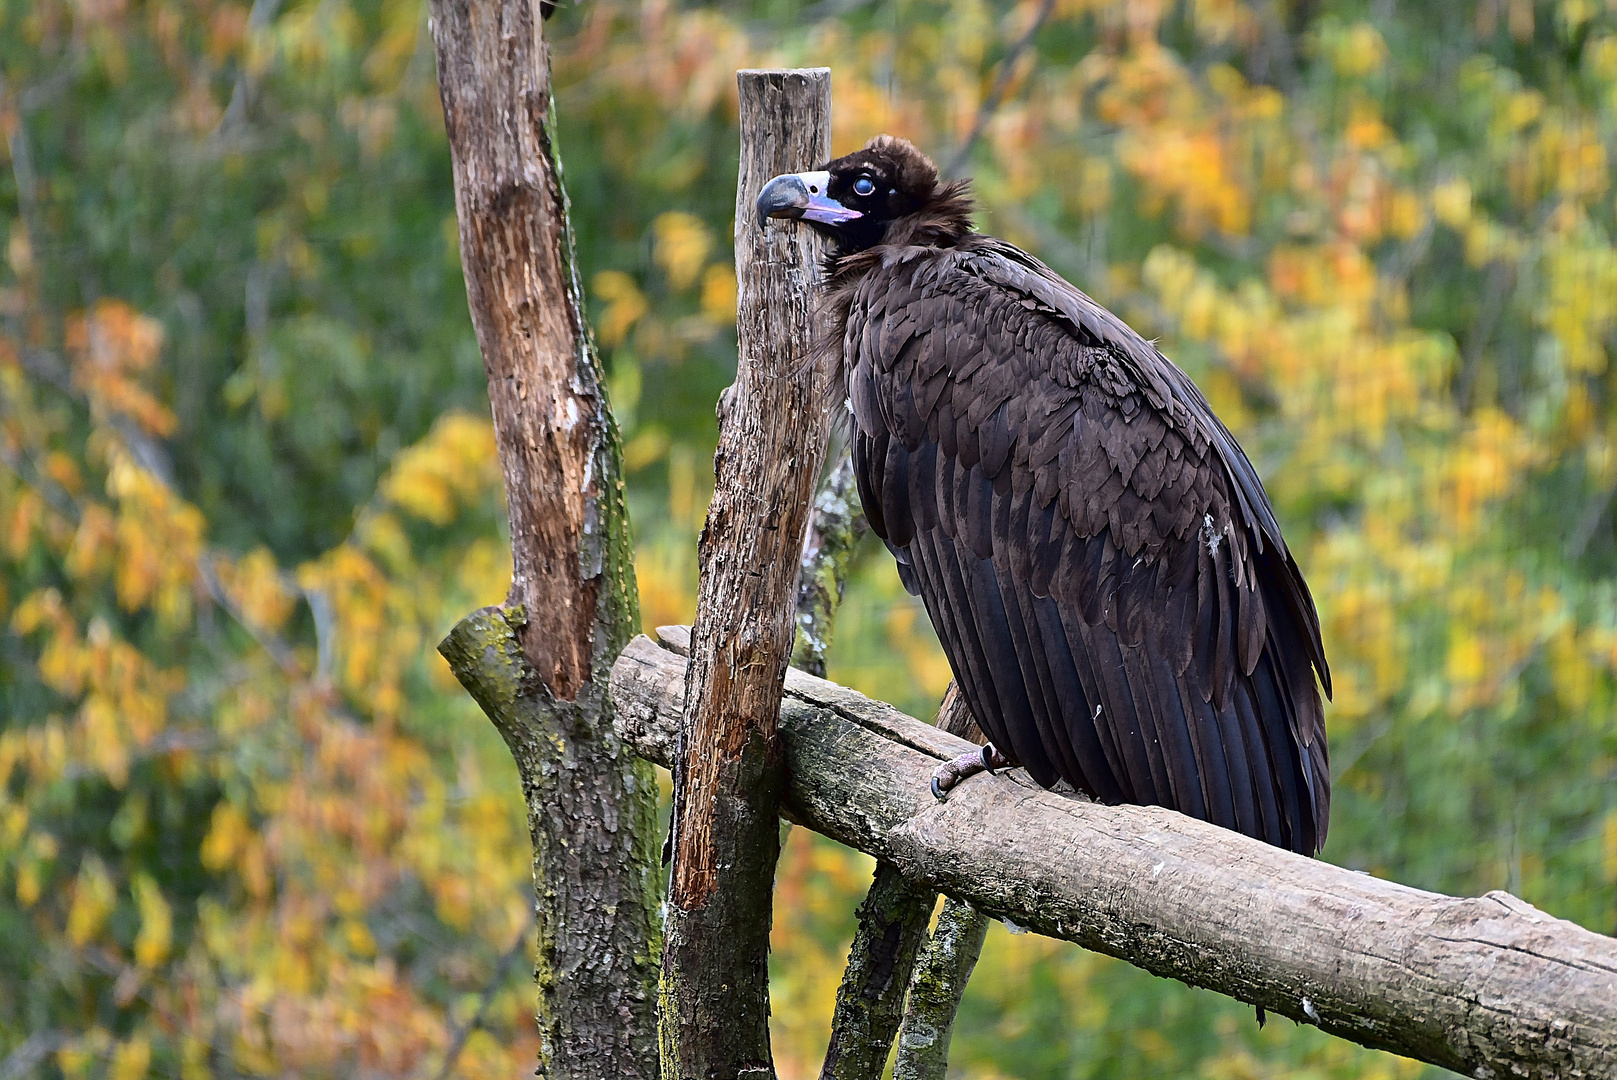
[(1487, 986), (539, 664), (727, 778)]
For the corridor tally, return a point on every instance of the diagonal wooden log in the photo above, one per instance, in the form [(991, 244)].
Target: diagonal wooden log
[(1487, 986), (939, 982), (891, 933), (727, 778), (870, 1000), (539, 664), (945, 963)]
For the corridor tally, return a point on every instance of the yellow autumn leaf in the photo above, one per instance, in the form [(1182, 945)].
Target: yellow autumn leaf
[(94, 897), (156, 922), (111, 346), (719, 294), (194, 1059), (625, 305), (454, 465), (227, 835), (76, 1058), (680, 245), (1356, 51), (131, 1059)]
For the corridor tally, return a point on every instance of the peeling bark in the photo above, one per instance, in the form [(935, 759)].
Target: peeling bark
[(1487, 986), (539, 665), (715, 987)]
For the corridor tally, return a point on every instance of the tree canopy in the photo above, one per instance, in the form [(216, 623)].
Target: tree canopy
[(249, 825)]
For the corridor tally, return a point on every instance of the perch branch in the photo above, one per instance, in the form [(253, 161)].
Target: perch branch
[(1487, 986)]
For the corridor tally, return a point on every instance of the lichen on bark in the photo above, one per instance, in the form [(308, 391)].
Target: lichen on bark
[(540, 664), (834, 532), (936, 987), (870, 1001)]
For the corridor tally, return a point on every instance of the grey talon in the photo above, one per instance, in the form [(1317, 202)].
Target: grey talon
[(937, 790)]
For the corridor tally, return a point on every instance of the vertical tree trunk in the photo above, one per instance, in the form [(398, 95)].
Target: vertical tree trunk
[(540, 665), (715, 1021)]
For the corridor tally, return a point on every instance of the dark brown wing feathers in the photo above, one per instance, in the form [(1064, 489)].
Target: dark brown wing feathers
[(1097, 555)]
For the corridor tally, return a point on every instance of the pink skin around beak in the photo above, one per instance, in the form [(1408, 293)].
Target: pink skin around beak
[(802, 196)]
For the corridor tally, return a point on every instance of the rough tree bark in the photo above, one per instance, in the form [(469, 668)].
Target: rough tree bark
[(834, 532), (881, 961), (1486, 986), (539, 665), (939, 982), (726, 837), (947, 957), (870, 1000)]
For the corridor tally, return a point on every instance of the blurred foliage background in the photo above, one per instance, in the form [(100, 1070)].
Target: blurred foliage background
[(248, 823)]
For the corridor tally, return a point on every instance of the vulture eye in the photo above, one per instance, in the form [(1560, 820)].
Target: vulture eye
[(864, 186)]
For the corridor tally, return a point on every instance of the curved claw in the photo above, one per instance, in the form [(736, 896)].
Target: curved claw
[(951, 773)]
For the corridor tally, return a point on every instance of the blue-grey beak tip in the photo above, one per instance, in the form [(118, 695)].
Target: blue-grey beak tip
[(783, 197)]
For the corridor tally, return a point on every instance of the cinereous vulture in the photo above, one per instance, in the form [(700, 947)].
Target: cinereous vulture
[(1096, 553)]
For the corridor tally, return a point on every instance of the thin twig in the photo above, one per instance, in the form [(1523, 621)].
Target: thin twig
[(458, 1042), (996, 96), (1590, 520), (262, 14), (834, 531), (30, 1053)]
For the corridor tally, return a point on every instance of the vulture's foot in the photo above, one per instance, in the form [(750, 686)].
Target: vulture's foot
[(951, 773)]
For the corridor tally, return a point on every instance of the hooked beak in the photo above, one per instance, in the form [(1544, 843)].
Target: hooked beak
[(802, 195)]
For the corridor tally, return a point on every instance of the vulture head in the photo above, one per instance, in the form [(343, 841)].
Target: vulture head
[(870, 197)]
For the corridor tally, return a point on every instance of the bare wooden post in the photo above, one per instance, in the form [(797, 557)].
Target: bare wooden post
[(715, 1016), (539, 666)]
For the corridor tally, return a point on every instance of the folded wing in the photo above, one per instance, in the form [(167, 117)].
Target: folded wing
[(1096, 553)]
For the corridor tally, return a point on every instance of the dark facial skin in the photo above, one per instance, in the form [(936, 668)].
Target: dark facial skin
[(884, 202), (855, 198)]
